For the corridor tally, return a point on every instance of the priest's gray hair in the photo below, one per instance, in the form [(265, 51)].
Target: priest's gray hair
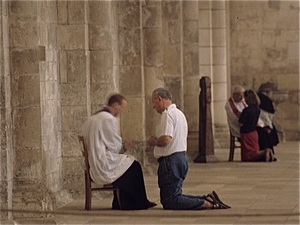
[(163, 93)]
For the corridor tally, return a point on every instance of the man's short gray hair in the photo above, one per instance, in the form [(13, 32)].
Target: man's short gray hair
[(162, 92)]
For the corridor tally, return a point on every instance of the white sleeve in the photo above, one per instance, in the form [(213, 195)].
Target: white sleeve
[(109, 134), (165, 127)]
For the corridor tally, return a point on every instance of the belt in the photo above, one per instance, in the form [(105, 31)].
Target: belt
[(175, 153)]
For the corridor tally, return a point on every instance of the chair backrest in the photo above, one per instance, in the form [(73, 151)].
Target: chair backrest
[(85, 154)]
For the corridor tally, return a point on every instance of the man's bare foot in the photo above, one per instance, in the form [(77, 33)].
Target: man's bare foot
[(209, 203)]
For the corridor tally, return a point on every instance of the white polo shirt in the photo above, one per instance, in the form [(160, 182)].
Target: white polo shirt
[(172, 123)]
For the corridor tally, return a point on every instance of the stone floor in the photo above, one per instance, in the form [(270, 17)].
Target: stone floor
[(259, 193)]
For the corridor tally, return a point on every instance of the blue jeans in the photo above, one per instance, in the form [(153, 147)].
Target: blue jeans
[(171, 173)]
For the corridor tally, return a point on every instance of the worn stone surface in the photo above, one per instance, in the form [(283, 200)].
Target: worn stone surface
[(23, 31), (173, 84), (191, 60), (129, 13), (3, 161), (190, 10), (76, 98), (3, 198), (152, 14), (62, 12), (190, 31), (101, 66), (191, 107), (204, 19), (99, 11), (103, 82), (219, 74), (171, 10), (152, 117), (25, 61), (219, 37), (27, 91), (130, 46), (32, 196), (3, 128), (131, 80), (76, 67), (26, 126), (53, 177), (71, 37), (132, 123), (73, 175), (100, 37), (76, 12), (191, 86), (29, 164), (153, 53), (171, 32), (99, 94), (153, 79), (23, 8), (172, 60), (70, 144), (73, 118)]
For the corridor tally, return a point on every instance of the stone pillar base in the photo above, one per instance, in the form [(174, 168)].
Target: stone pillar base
[(34, 197)]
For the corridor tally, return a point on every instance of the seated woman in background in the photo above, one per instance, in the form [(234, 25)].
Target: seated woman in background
[(249, 137)]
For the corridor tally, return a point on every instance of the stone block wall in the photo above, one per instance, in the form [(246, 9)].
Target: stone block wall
[(264, 40), (71, 46)]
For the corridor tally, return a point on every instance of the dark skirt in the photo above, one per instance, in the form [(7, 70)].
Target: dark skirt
[(132, 189), (249, 146)]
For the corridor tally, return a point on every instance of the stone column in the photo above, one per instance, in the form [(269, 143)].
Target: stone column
[(6, 154), (219, 72), (172, 49), (28, 171), (51, 135), (213, 63), (131, 75), (191, 76), (103, 81), (71, 46), (152, 63)]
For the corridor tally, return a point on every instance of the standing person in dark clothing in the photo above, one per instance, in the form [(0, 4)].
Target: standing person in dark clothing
[(249, 136)]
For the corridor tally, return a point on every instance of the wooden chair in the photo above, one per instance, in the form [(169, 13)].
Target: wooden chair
[(234, 143), (88, 180)]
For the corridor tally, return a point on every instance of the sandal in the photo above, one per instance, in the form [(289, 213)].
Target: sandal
[(215, 205), (219, 200)]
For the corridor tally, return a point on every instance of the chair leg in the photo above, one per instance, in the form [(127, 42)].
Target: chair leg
[(88, 196), (119, 197), (231, 153), (88, 200)]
